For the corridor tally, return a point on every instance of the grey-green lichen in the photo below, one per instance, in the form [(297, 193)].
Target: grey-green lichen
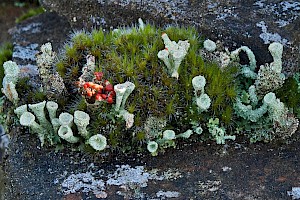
[(53, 84), (11, 72), (202, 99), (173, 54), (59, 126), (270, 77)]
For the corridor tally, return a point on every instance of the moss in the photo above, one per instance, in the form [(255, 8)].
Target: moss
[(5, 55), (28, 93), (221, 88), (132, 56), (289, 94)]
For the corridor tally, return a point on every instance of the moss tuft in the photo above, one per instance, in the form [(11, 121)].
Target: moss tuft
[(5, 55)]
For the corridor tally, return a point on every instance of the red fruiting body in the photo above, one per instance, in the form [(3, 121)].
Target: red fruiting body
[(104, 96), (106, 82), (109, 87), (113, 93), (91, 84), (89, 93), (98, 97), (109, 100), (99, 89), (98, 75), (86, 85)]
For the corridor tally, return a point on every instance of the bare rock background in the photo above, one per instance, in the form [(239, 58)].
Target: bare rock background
[(254, 23)]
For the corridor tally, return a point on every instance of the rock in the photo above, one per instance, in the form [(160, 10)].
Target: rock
[(29, 35), (252, 23)]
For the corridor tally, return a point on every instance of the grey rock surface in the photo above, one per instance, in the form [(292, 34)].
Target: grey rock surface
[(254, 23), (30, 35)]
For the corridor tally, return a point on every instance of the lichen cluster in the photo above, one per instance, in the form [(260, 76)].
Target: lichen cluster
[(158, 91)]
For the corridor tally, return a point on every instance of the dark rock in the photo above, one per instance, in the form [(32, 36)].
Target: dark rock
[(254, 23), (29, 35)]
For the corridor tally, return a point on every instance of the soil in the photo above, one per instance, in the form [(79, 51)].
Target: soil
[(237, 170)]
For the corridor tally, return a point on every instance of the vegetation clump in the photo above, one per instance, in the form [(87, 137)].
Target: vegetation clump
[(149, 88)]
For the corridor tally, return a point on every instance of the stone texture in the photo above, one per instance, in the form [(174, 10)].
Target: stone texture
[(254, 23), (30, 35)]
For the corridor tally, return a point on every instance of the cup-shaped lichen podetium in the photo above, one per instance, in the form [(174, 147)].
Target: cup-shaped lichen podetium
[(52, 108), (81, 119), (66, 133), (98, 142), (38, 110), (152, 147), (28, 119), (66, 119)]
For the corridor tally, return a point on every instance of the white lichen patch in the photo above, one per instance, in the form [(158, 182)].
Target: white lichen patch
[(32, 28), (209, 186), (25, 53), (28, 70), (167, 194), (285, 11), (85, 182), (268, 37), (295, 193), (128, 179), (127, 175)]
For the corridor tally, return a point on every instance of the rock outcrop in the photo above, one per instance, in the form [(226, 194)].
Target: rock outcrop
[(254, 23)]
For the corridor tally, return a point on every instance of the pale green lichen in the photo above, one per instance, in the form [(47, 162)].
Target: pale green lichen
[(251, 56), (152, 147), (248, 112), (52, 109), (154, 127), (128, 117), (82, 120), (28, 119), (88, 70), (11, 72), (218, 133), (122, 93), (53, 84), (187, 134), (66, 133), (269, 76), (173, 54), (209, 45), (60, 127), (169, 135), (98, 142), (20, 110), (39, 112), (202, 100), (66, 119)]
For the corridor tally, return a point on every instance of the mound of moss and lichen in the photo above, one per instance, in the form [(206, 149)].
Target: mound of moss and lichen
[(215, 99), (131, 55)]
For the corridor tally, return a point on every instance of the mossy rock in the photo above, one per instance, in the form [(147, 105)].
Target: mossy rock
[(130, 54)]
